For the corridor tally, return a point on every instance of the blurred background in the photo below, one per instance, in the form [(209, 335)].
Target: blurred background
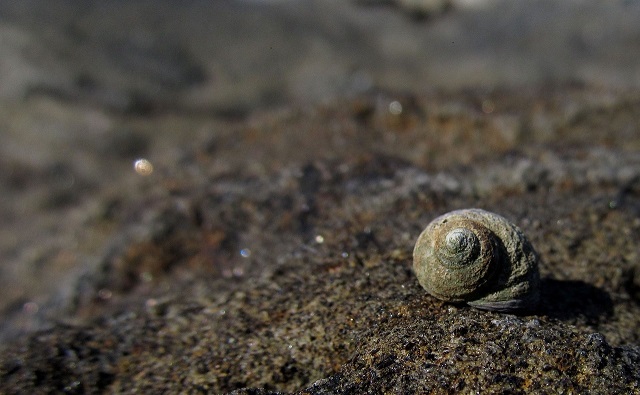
[(88, 87), (231, 56)]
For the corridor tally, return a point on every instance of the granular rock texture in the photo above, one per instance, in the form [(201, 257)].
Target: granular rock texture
[(277, 256)]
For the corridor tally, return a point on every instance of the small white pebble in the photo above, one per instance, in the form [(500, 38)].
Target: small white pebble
[(143, 167), (104, 294), (395, 107), (151, 302)]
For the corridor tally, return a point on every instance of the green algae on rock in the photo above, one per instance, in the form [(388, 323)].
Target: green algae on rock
[(480, 258)]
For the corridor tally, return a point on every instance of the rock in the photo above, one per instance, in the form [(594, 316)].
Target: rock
[(269, 251), (296, 275)]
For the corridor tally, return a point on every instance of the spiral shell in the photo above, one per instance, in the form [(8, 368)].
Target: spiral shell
[(480, 258)]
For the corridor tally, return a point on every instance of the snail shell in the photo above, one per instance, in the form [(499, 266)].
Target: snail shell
[(480, 258)]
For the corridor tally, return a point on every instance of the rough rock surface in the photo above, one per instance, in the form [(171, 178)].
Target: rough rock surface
[(297, 273), (270, 250)]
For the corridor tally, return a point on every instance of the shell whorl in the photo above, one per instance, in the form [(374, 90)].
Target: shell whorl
[(477, 257), (460, 246)]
